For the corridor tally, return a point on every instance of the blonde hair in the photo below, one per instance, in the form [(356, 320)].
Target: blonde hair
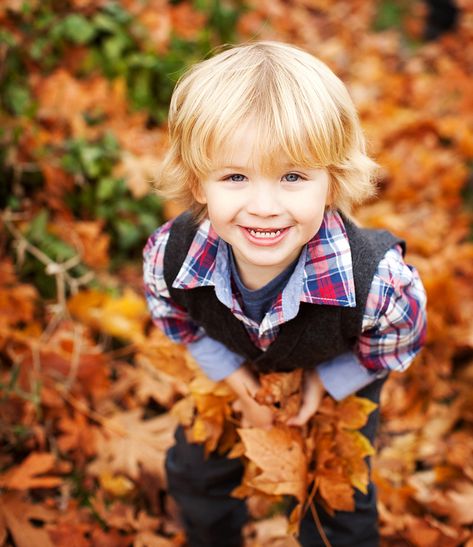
[(300, 107)]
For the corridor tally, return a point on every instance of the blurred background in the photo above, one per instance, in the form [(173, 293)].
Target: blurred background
[(85, 381)]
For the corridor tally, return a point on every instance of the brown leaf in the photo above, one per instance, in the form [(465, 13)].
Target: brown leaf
[(279, 453), (18, 515), (158, 351), (17, 304), (128, 442), (455, 502), (282, 392), (77, 434)]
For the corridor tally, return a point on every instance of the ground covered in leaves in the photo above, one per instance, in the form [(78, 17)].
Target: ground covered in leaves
[(91, 392)]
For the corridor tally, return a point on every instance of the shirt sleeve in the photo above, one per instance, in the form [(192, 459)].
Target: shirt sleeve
[(344, 375), (166, 314), (394, 326), (214, 358), (394, 322)]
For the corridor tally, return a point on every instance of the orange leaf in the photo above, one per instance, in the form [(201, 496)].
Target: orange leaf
[(128, 443), (25, 475), (18, 514), (279, 453), (282, 392), (123, 317), (336, 492), (354, 411)]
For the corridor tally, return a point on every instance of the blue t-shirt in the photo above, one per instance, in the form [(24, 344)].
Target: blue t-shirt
[(255, 303)]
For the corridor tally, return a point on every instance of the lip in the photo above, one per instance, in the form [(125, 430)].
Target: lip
[(264, 242)]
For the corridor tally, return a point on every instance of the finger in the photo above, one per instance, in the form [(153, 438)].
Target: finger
[(307, 410), (300, 419), (237, 405)]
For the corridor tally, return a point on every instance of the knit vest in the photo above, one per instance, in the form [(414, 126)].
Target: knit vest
[(318, 332)]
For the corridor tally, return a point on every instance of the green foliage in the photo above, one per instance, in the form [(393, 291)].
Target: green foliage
[(127, 219), (39, 234), (107, 41), (390, 14)]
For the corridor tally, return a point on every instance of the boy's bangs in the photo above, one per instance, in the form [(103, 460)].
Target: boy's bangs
[(281, 136), (294, 116)]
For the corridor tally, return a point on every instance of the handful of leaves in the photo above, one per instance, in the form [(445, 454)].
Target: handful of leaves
[(324, 460)]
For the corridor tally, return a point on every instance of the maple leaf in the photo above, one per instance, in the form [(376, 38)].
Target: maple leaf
[(336, 492), (158, 351), (18, 515), (353, 412), (279, 453), (128, 442), (28, 474), (77, 434), (282, 392)]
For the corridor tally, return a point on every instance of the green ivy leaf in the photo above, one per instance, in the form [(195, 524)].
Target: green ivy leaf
[(78, 29), (18, 98)]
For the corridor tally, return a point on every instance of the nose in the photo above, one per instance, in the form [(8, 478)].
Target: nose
[(263, 199)]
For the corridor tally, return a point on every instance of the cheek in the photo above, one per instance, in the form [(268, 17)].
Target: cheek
[(309, 206), (219, 210)]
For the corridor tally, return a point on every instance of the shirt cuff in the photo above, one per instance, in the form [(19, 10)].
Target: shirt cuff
[(344, 375), (214, 358)]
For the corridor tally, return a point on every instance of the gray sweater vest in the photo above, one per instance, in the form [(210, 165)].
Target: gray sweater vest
[(318, 333)]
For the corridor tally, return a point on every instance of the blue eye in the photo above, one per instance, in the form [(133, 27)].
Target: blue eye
[(292, 177), (236, 178)]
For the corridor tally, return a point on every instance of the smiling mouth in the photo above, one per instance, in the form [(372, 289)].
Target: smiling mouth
[(266, 233)]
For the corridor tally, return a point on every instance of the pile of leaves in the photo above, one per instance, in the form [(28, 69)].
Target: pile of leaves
[(90, 391)]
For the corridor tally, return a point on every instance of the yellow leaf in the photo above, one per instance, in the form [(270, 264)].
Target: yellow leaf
[(123, 317), (117, 485)]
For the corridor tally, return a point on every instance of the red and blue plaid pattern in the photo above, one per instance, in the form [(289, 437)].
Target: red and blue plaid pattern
[(394, 318)]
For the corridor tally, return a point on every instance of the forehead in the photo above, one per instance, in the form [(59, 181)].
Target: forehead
[(250, 145)]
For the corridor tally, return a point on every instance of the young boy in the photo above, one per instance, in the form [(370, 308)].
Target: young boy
[(266, 272)]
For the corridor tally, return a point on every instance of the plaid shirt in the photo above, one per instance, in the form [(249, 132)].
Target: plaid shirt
[(394, 318)]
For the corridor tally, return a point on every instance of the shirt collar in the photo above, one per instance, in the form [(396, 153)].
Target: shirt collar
[(323, 275)]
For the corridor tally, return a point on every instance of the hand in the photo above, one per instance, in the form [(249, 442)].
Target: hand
[(312, 393), (245, 385), (253, 414)]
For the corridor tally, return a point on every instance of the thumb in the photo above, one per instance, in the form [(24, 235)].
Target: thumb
[(237, 407), (302, 416)]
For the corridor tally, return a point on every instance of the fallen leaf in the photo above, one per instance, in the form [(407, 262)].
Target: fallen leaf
[(30, 473), (19, 514), (128, 442), (279, 453)]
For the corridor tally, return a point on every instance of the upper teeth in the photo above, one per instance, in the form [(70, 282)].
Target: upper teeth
[(264, 234)]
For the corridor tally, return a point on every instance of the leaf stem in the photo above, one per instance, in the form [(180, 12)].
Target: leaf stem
[(319, 525)]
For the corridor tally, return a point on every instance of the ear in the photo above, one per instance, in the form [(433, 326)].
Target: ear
[(199, 194)]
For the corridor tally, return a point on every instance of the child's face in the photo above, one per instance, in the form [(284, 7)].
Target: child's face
[(266, 216)]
